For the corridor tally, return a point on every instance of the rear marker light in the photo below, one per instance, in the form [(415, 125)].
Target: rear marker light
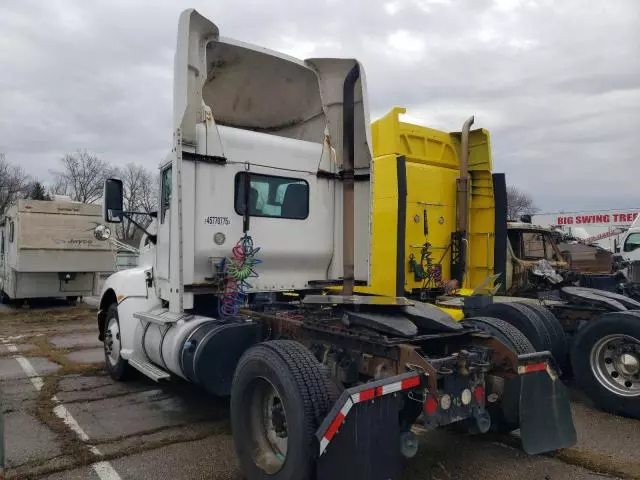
[(431, 405), (478, 393), (466, 396)]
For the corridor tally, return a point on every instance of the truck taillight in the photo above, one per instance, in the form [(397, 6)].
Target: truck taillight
[(431, 405), (478, 393)]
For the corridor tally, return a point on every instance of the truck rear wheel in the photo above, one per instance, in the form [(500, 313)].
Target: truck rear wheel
[(279, 397), (116, 366), (524, 319), (558, 337), (606, 362), (505, 415), (503, 331)]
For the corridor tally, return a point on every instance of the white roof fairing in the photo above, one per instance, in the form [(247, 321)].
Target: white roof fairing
[(252, 88)]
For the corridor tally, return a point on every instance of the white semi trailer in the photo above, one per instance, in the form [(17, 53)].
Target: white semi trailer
[(47, 249), (265, 193)]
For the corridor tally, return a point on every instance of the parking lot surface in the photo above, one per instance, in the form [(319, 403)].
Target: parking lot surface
[(64, 418)]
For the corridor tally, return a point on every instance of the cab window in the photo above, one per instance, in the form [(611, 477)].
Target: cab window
[(272, 196), (165, 194), (632, 242), (533, 246)]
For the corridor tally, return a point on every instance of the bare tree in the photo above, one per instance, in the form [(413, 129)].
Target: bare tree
[(519, 203), (140, 194), (58, 187), (81, 177), (13, 183)]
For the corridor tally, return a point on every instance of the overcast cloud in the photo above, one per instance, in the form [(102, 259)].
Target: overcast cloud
[(557, 83)]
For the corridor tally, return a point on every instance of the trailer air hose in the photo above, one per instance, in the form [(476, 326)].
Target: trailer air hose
[(239, 267)]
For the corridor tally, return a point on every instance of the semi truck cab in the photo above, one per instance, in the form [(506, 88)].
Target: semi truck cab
[(266, 202)]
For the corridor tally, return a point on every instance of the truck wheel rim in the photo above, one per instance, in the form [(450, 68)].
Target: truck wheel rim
[(615, 362), (268, 423), (112, 341)]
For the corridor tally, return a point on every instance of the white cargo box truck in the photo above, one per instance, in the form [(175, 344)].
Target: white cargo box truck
[(47, 249)]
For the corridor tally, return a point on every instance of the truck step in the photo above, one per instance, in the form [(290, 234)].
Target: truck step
[(161, 316), (149, 369)]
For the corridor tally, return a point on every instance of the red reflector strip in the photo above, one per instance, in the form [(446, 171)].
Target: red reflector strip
[(363, 396), (410, 382), (335, 425), (532, 367), (366, 395)]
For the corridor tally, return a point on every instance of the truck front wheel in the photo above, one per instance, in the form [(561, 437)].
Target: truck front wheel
[(280, 395), (115, 365), (606, 362)]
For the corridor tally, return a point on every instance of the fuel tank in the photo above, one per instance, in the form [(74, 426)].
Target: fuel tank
[(199, 349)]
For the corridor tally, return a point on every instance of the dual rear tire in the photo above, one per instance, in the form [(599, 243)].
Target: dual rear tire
[(279, 397), (604, 354), (536, 322)]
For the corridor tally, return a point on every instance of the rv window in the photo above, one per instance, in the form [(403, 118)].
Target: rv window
[(11, 228), (632, 242), (165, 199), (271, 196)]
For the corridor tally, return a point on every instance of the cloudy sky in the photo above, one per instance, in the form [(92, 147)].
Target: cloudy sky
[(557, 83)]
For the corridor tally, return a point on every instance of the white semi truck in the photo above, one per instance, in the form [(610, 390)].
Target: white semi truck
[(265, 201), (47, 249)]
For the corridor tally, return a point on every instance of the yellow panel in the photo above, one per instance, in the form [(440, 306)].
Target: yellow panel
[(430, 189), (384, 227), (432, 165)]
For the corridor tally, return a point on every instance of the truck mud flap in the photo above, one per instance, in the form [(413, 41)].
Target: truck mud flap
[(360, 437), (546, 423)]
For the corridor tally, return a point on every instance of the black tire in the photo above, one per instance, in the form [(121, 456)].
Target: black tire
[(514, 338), (302, 387), (524, 320), (588, 337), (503, 331), (558, 337), (120, 370)]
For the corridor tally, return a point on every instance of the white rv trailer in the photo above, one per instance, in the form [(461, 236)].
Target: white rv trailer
[(47, 249)]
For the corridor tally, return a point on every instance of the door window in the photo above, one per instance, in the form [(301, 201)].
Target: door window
[(165, 194)]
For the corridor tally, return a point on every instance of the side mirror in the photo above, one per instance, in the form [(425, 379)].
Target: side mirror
[(112, 201)]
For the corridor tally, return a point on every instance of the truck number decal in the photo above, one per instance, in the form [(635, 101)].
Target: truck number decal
[(217, 220)]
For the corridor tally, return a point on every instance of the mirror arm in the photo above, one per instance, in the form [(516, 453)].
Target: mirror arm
[(128, 216)]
